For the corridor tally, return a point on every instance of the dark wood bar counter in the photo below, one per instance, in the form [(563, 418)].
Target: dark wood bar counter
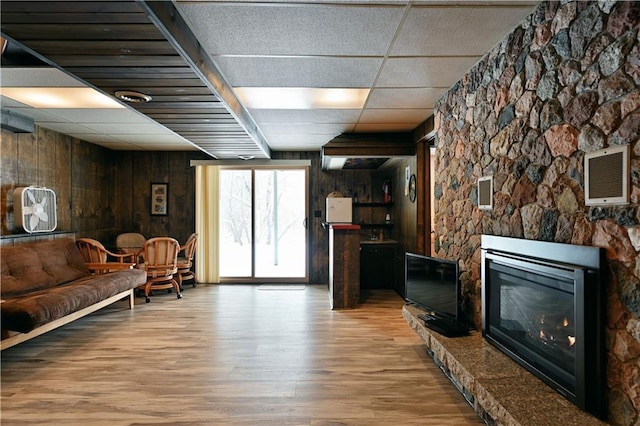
[(344, 266)]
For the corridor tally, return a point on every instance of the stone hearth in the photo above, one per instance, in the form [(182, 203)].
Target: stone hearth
[(498, 389)]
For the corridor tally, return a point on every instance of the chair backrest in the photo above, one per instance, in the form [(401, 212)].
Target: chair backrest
[(160, 256), (190, 247), (92, 251), (130, 242)]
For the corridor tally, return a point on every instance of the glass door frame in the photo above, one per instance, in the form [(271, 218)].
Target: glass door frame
[(253, 279)]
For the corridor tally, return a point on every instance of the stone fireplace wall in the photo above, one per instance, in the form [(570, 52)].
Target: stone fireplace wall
[(563, 83)]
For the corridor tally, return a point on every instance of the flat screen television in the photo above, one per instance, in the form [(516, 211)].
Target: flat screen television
[(433, 284)]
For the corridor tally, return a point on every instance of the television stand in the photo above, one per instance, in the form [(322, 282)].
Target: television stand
[(445, 326)]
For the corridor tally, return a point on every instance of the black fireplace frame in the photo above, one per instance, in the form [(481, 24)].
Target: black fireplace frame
[(587, 264)]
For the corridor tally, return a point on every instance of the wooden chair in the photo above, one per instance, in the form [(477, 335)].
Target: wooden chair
[(185, 263), (130, 242), (99, 260), (160, 261)]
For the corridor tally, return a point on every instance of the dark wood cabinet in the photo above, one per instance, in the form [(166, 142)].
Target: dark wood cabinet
[(377, 264)]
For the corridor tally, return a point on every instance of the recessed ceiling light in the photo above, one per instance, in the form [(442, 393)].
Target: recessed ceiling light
[(132, 96), (301, 97), (246, 157), (60, 97)]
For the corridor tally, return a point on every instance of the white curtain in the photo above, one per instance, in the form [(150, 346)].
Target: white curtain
[(207, 225)]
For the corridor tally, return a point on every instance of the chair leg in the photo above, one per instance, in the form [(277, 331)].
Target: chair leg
[(175, 285), (142, 291), (180, 281), (147, 288)]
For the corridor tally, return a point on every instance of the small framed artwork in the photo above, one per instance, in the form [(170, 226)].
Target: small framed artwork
[(159, 199), (485, 193)]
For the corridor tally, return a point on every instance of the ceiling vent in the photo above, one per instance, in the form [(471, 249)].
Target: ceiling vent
[(132, 97), (367, 151)]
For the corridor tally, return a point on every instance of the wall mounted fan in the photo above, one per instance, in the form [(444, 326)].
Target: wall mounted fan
[(35, 209)]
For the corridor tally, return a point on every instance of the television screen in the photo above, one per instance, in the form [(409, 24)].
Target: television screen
[(433, 285)]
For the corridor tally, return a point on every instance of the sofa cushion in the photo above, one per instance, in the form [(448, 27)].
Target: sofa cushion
[(39, 266), (30, 311)]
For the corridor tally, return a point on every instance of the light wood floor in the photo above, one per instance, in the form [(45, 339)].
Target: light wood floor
[(232, 355)]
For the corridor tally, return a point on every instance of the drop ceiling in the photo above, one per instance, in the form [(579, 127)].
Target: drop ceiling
[(190, 56)]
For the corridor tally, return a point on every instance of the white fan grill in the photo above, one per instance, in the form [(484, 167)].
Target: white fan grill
[(35, 209)]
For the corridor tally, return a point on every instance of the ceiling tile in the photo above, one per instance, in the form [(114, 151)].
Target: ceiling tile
[(325, 115), (292, 29), (151, 139), (299, 72), (67, 128), (380, 127), (299, 128), (99, 115), (130, 129), (453, 31), (164, 147), (11, 103), (403, 98), (395, 116), (37, 77), (438, 71)]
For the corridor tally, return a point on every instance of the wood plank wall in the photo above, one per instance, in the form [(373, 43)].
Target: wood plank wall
[(102, 193), (78, 172), (137, 170)]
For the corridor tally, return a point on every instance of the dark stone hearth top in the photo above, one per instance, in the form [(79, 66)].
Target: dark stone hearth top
[(499, 390)]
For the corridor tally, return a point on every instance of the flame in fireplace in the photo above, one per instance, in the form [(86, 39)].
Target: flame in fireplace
[(551, 332)]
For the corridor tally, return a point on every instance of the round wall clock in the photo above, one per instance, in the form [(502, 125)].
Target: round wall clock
[(412, 188)]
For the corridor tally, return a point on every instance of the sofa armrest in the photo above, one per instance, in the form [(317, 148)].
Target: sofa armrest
[(103, 268)]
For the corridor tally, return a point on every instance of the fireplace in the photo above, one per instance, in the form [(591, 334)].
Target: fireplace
[(542, 305)]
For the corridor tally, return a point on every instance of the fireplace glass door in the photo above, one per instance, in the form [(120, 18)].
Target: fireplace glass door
[(534, 315), (543, 306)]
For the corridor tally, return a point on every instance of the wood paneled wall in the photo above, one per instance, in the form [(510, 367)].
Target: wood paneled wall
[(102, 193), (81, 175), (137, 170), (405, 211)]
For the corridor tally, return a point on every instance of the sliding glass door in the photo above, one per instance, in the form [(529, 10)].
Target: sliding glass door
[(263, 232), (236, 236)]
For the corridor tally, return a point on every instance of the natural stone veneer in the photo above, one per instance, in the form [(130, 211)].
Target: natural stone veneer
[(563, 83)]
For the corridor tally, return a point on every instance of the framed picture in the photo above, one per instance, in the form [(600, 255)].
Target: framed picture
[(159, 199)]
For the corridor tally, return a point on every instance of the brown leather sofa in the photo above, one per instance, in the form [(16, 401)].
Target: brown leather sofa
[(45, 285)]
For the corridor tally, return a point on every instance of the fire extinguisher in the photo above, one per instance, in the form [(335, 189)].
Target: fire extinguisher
[(386, 188)]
